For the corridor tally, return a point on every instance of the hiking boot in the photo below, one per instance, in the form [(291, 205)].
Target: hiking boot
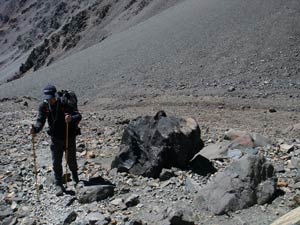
[(75, 177), (59, 190)]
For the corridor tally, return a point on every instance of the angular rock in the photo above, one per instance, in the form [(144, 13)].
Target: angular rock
[(245, 182), (292, 217), (295, 163), (152, 143), (9, 220), (242, 142), (247, 139), (265, 191), (5, 213), (96, 189), (181, 217), (177, 216), (117, 201), (233, 134), (215, 151), (191, 186), (234, 153), (94, 193), (132, 200), (98, 218), (70, 218), (260, 141)]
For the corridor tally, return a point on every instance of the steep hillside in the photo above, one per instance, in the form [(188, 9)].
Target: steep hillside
[(35, 34), (243, 48)]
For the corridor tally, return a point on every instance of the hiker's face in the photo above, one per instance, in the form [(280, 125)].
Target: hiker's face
[(52, 101)]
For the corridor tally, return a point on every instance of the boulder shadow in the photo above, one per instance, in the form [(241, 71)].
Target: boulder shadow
[(201, 165), (69, 192), (96, 181)]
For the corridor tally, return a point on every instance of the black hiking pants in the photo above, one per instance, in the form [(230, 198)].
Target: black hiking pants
[(58, 147)]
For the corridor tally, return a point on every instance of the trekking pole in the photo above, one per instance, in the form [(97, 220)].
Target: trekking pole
[(67, 149), (35, 170)]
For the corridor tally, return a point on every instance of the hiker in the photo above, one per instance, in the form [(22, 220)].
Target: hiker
[(58, 115)]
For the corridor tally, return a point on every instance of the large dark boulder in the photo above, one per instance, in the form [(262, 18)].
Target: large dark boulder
[(150, 144), (247, 181)]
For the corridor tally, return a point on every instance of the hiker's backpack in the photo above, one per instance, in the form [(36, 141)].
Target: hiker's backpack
[(69, 99)]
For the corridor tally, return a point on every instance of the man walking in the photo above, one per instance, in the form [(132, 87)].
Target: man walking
[(59, 114)]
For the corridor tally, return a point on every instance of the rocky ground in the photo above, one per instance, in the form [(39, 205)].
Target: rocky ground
[(228, 64), (140, 200)]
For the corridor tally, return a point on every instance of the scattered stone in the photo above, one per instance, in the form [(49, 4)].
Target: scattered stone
[(286, 148), (96, 189), (117, 201), (5, 213), (94, 193), (234, 153), (98, 218), (179, 216), (279, 168), (215, 151), (132, 200), (70, 218), (231, 89)]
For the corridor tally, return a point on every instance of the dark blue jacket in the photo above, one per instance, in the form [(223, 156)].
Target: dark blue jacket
[(55, 114)]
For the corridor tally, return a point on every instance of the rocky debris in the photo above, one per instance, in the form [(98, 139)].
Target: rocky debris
[(235, 144), (245, 182), (246, 140), (150, 144), (102, 12), (70, 33), (162, 200), (76, 24), (37, 57)]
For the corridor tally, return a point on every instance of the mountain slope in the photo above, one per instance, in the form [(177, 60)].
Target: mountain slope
[(36, 34), (201, 46)]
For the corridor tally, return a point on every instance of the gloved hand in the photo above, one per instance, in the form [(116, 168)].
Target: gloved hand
[(68, 118), (32, 130)]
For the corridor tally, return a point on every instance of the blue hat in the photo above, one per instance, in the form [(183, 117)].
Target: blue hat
[(49, 92)]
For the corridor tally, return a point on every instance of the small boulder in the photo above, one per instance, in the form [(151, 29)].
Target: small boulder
[(95, 189), (247, 181)]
